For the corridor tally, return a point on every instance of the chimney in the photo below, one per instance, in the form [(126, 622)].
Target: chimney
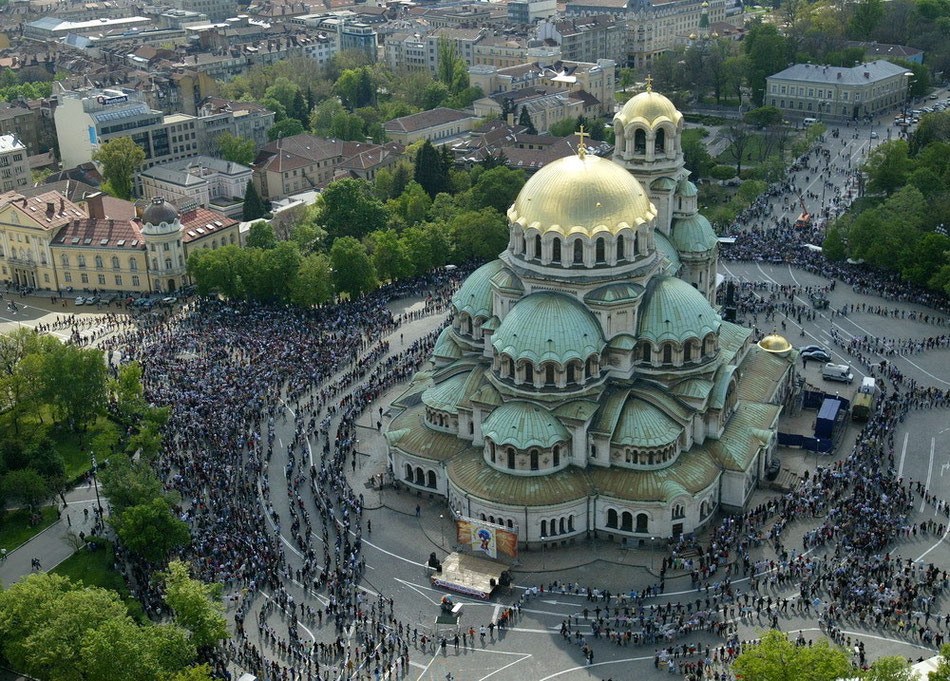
[(62, 205), (50, 208), (94, 206)]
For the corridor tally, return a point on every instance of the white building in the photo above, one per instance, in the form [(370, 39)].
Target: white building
[(206, 181), (14, 164)]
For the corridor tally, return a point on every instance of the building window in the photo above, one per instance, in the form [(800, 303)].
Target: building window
[(84, 278), (82, 260), (534, 459), (67, 277), (65, 259), (511, 458), (118, 280), (135, 280), (133, 264), (99, 262), (115, 262), (102, 280)]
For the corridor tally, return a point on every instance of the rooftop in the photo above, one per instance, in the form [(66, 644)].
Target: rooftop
[(855, 75)]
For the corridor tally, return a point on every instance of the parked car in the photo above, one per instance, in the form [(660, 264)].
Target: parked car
[(837, 372), (80, 300), (142, 302), (818, 355), (93, 300), (169, 300), (773, 469), (807, 348)]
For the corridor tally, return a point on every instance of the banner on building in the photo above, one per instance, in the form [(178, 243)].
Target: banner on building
[(487, 538)]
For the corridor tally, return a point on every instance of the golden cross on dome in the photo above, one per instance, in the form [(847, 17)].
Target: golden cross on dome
[(649, 83), (581, 147)]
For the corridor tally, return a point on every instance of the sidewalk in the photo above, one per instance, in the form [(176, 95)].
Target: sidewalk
[(51, 545)]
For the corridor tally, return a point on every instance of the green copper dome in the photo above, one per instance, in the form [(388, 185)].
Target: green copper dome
[(665, 249), (693, 234), (548, 327), (643, 425), (475, 295), (445, 346), (675, 311), (523, 425), (686, 188)]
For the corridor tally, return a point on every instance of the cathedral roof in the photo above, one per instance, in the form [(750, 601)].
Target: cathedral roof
[(474, 296), (523, 425), (666, 249), (582, 194), (676, 312), (643, 425), (650, 108), (693, 234), (548, 326)]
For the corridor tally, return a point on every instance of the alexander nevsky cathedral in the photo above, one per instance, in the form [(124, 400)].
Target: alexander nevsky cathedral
[(587, 385)]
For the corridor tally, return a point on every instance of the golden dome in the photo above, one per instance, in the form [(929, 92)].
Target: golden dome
[(650, 108), (704, 5), (693, 36), (714, 35), (775, 344), (581, 195)]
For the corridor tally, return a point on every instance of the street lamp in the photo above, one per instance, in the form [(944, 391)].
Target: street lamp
[(442, 527), (652, 549), (542, 551), (95, 483)]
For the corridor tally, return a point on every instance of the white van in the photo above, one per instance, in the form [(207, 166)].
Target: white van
[(809, 121), (837, 372), (869, 386)]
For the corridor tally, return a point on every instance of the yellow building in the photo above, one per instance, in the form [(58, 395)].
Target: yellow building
[(27, 228), (50, 243)]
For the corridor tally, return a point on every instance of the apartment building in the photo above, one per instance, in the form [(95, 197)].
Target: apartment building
[(598, 79), (586, 38), (14, 164)]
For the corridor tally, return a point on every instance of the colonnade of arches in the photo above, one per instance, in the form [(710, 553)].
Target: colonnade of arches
[(421, 478), (647, 457), (533, 459), (670, 353), (625, 521), (547, 374), (639, 141), (579, 251), (557, 526)]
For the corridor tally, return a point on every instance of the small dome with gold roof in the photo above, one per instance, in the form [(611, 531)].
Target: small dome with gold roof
[(650, 108), (775, 344), (582, 194)]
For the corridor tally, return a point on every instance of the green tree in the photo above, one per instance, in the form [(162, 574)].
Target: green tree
[(151, 530), (75, 381), (312, 283), (412, 205), (866, 15), (129, 484), (355, 88), (120, 158), (127, 391), (299, 110), (433, 95), (497, 188), (525, 119), (391, 259), (763, 116), (253, 204), (452, 70), (274, 271), (26, 486), (942, 672), (778, 659), (348, 208), (197, 606), (696, 156), (353, 271), (285, 128), (429, 171), (888, 167), (479, 235), (739, 137), (200, 672), (120, 650), (283, 91), (235, 149), (261, 235), (767, 54), (626, 78), (428, 245), (833, 245), (894, 668)]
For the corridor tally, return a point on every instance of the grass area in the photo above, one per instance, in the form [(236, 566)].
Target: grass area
[(15, 526), (94, 568), (753, 153), (76, 457)]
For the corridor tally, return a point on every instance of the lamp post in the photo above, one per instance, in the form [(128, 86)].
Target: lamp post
[(652, 549), (95, 483), (542, 551), (442, 527)]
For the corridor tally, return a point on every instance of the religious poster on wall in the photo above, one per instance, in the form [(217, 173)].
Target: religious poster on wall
[(486, 538)]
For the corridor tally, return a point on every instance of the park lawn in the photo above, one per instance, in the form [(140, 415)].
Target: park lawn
[(76, 458), (754, 149), (15, 526), (94, 568)]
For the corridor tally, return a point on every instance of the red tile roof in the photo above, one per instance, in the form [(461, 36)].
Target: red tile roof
[(201, 222), (50, 209), (95, 233)]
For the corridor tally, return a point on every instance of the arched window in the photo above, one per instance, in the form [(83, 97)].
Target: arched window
[(544, 529), (620, 248), (430, 479), (626, 522), (639, 142), (570, 523), (99, 261), (659, 145), (82, 260), (537, 247), (115, 262), (578, 252), (556, 452), (647, 353), (511, 458), (549, 374), (667, 354), (408, 473), (636, 244), (556, 251), (65, 258), (484, 519), (611, 518), (560, 526), (571, 377), (528, 372), (524, 246), (133, 264), (590, 367), (491, 451), (599, 255), (511, 367), (420, 476), (168, 263), (688, 352), (534, 459), (642, 521)]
